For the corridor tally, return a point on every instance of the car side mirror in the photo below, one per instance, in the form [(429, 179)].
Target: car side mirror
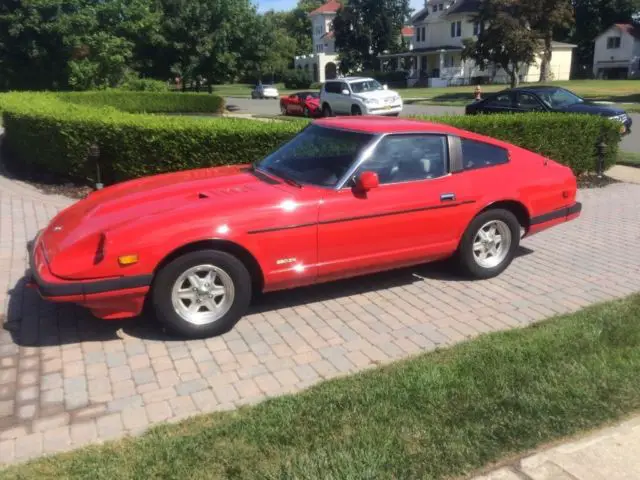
[(385, 86), (346, 92), (366, 181)]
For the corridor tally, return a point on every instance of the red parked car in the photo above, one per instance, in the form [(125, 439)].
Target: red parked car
[(345, 197), (306, 104)]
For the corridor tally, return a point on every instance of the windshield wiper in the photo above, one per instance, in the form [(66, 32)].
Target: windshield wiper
[(284, 176)]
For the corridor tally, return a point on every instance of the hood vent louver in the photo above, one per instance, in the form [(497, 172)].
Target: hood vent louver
[(202, 195)]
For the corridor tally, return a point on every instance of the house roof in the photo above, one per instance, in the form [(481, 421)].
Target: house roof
[(420, 16), (407, 31), (330, 6), (464, 6), (562, 45), (630, 29)]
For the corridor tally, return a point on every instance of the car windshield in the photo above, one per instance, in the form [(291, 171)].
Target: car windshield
[(313, 95), (317, 156), (559, 97), (366, 86)]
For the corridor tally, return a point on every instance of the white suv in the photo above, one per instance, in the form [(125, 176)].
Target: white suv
[(358, 96)]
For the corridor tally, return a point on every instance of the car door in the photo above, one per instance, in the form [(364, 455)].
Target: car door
[(528, 102), (413, 216), (343, 101), (500, 103)]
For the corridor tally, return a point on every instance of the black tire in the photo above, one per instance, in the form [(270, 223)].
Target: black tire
[(161, 293), (465, 254), (356, 110), (283, 110), (326, 110)]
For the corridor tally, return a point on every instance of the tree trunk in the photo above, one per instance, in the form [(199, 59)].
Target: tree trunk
[(513, 76), (545, 64)]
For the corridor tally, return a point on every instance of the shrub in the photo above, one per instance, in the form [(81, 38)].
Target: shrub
[(43, 131), (296, 79), (145, 85), (48, 131), (148, 102)]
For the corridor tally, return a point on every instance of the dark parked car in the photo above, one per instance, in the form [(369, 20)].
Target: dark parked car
[(546, 99)]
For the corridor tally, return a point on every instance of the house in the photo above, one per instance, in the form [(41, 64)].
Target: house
[(617, 52), (435, 60), (322, 64)]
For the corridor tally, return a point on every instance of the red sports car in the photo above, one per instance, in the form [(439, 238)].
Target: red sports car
[(345, 197), (306, 104)]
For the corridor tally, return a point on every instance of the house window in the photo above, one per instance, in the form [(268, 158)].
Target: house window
[(441, 6), (424, 31), (476, 28), (613, 42), (418, 38), (318, 29), (456, 29), (435, 8), (319, 48)]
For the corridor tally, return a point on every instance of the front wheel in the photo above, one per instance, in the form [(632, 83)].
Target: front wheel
[(489, 244), (202, 293), (356, 110)]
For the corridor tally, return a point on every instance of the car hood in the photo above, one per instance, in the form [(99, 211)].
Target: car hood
[(594, 109), (313, 102), (83, 226), (379, 94)]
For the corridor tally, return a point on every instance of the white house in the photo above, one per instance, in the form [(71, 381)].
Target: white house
[(322, 64), (439, 30), (617, 52)]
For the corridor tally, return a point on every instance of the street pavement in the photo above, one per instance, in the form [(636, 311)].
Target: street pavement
[(630, 143)]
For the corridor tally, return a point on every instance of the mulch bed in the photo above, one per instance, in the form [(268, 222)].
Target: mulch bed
[(591, 180)]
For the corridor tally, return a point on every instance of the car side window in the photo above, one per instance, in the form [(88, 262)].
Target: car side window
[(526, 101), (343, 86), (406, 158), (479, 154), (500, 100), (332, 87)]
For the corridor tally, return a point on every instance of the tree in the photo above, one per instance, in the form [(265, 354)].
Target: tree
[(547, 17), (366, 28), (506, 40), (298, 25), (593, 17)]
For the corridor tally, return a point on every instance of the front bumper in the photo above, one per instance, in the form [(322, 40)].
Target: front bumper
[(109, 298), (51, 286), (384, 110)]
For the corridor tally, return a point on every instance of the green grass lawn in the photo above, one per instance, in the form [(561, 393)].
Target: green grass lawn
[(434, 416), (631, 158)]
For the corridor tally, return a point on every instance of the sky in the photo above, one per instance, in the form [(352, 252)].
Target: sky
[(265, 5)]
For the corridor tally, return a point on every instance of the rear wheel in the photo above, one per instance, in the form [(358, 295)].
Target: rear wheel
[(201, 294), (283, 109), (326, 110), (489, 244)]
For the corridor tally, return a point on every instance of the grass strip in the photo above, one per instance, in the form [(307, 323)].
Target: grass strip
[(434, 416)]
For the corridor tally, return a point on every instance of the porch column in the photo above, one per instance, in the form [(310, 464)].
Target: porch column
[(441, 62), (398, 63)]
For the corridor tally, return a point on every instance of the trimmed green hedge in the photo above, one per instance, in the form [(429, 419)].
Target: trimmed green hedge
[(49, 131), (147, 102)]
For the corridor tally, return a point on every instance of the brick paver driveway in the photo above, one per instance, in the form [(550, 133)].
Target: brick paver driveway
[(67, 379)]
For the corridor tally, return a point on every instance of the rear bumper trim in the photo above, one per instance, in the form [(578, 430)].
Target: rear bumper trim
[(49, 289), (556, 214)]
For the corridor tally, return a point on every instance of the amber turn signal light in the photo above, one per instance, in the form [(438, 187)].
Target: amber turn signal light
[(128, 260)]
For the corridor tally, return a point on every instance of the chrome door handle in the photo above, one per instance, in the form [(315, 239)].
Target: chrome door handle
[(447, 197)]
